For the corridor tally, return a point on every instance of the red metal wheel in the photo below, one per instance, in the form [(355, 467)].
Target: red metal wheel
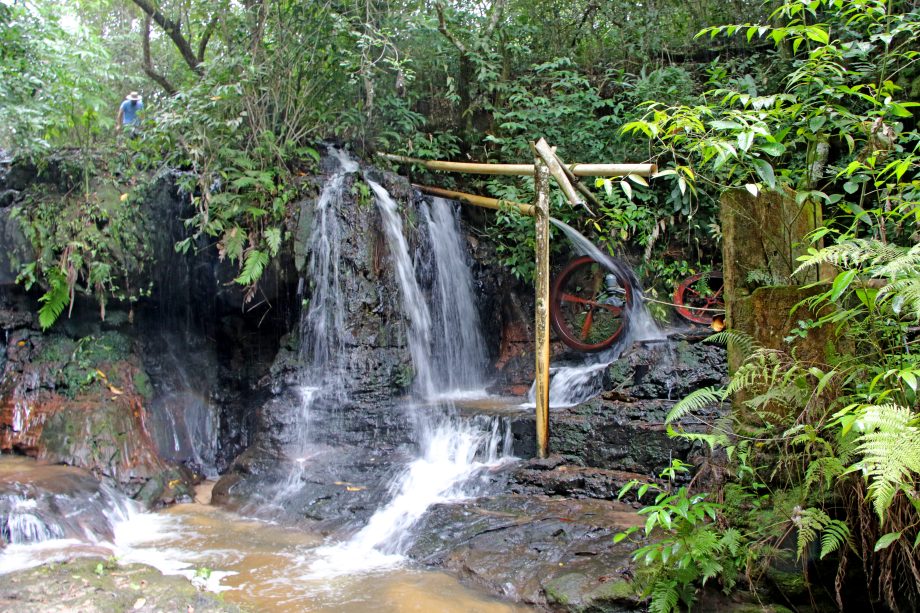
[(700, 292), (588, 305)]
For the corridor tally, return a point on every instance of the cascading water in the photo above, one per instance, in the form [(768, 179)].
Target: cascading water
[(182, 420), (322, 325), (453, 450), (460, 358), (571, 385), (419, 334)]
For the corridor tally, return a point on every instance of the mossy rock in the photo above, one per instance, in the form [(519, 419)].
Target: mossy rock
[(95, 585), (581, 593)]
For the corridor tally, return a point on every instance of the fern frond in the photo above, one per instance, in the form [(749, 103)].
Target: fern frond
[(664, 597), (835, 534), (890, 446), (734, 339), (824, 470), (55, 299), (696, 400), (714, 439), (810, 522), (253, 267)]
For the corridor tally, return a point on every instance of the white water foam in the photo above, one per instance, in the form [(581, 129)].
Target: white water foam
[(136, 539), (454, 452)]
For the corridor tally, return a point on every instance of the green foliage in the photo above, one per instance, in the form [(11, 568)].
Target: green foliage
[(92, 244), (84, 364), (689, 546), (55, 83)]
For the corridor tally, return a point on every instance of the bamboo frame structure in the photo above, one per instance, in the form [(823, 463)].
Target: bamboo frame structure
[(527, 170), (546, 163)]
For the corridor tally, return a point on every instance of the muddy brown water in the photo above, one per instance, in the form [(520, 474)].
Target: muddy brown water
[(266, 564)]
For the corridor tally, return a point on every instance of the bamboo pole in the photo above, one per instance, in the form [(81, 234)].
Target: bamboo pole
[(541, 327), (581, 170), (483, 201), (587, 193), (549, 158)]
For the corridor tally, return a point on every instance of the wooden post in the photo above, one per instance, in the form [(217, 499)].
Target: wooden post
[(541, 327)]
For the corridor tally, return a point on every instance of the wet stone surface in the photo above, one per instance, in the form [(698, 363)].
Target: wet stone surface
[(92, 585), (535, 549), (623, 429), (38, 503)]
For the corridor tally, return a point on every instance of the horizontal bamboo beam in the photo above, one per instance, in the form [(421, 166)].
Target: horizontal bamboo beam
[(483, 201), (580, 170)]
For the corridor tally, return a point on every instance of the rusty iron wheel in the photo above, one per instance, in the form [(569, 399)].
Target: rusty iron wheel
[(589, 305), (697, 293)]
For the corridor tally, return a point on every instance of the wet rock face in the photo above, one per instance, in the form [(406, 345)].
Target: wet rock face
[(623, 428), (533, 549), (333, 464), (52, 502), (66, 398), (666, 370)]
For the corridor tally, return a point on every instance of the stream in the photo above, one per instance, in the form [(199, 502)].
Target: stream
[(255, 563)]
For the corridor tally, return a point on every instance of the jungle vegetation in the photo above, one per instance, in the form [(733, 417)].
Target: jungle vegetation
[(818, 464)]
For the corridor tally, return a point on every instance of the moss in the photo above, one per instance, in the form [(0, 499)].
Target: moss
[(142, 385), (789, 584), (92, 584), (618, 590), (56, 348)]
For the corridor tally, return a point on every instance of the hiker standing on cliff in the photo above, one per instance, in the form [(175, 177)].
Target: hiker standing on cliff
[(128, 112)]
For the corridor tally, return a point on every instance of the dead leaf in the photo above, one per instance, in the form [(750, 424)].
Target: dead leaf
[(139, 603), (718, 323)]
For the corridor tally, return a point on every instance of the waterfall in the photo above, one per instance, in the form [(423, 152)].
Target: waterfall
[(571, 385), (412, 299), (453, 450), (322, 325), (183, 421), (459, 350)]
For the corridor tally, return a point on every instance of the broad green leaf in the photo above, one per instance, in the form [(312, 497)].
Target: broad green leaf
[(773, 149), (886, 540), (841, 282), (745, 140), (765, 172)]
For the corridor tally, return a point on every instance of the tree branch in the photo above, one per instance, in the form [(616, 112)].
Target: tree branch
[(442, 27), (498, 8), (173, 30), (206, 37), (149, 70)]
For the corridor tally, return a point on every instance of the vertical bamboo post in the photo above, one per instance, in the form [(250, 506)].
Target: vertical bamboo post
[(541, 328)]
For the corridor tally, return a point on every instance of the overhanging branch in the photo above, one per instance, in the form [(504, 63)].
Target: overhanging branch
[(174, 32), (149, 70)]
